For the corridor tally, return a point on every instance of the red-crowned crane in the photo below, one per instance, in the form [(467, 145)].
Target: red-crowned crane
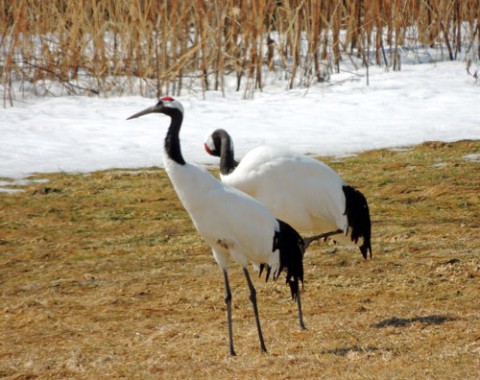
[(300, 190), (236, 226)]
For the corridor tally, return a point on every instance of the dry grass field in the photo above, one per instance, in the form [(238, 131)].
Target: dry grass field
[(102, 276)]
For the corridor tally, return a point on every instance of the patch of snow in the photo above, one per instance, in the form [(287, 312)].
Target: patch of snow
[(342, 117), (475, 157)]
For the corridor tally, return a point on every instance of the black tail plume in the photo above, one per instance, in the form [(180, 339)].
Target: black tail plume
[(292, 247), (358, 216)]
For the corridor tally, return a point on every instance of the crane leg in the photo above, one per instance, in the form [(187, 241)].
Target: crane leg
[(300, 313), (253, 298), (311, 239), (228, 302)]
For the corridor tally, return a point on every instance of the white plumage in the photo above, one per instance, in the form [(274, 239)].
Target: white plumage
[(300, 190), (236, 226), (223, 217)]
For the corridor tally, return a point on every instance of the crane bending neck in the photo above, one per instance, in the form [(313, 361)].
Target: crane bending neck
[(227, 160)]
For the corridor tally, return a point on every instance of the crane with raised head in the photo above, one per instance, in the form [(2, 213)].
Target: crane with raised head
[(236, 226)]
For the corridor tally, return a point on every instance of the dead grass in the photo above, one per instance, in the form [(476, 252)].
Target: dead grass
[(102, 276)]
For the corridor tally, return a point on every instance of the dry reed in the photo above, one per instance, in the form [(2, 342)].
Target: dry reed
[(160, 46)]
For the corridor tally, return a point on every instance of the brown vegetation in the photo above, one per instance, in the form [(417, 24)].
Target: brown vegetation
[(88, 45), (103, 276)]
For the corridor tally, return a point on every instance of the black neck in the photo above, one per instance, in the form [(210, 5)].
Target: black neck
[(227, 160), (172, 140)]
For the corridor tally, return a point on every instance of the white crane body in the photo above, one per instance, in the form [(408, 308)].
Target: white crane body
[(295, 188), (225, 217)]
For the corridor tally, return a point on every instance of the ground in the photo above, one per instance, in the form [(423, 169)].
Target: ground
[(103, 276)]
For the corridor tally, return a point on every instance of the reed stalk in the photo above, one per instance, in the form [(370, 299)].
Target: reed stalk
[(157, 44)]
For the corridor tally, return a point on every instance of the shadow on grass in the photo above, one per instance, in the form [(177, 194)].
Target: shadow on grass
[(403, 322), (344, 351)]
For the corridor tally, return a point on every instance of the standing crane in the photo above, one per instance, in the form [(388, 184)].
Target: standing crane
[(302, 191), (236, 226)]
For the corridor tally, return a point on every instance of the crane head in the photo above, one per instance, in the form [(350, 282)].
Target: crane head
[(213, 142), (212, 146), (165, 105)]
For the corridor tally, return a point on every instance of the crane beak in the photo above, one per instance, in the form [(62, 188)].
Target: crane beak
[(208, 150), (155, 108)]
